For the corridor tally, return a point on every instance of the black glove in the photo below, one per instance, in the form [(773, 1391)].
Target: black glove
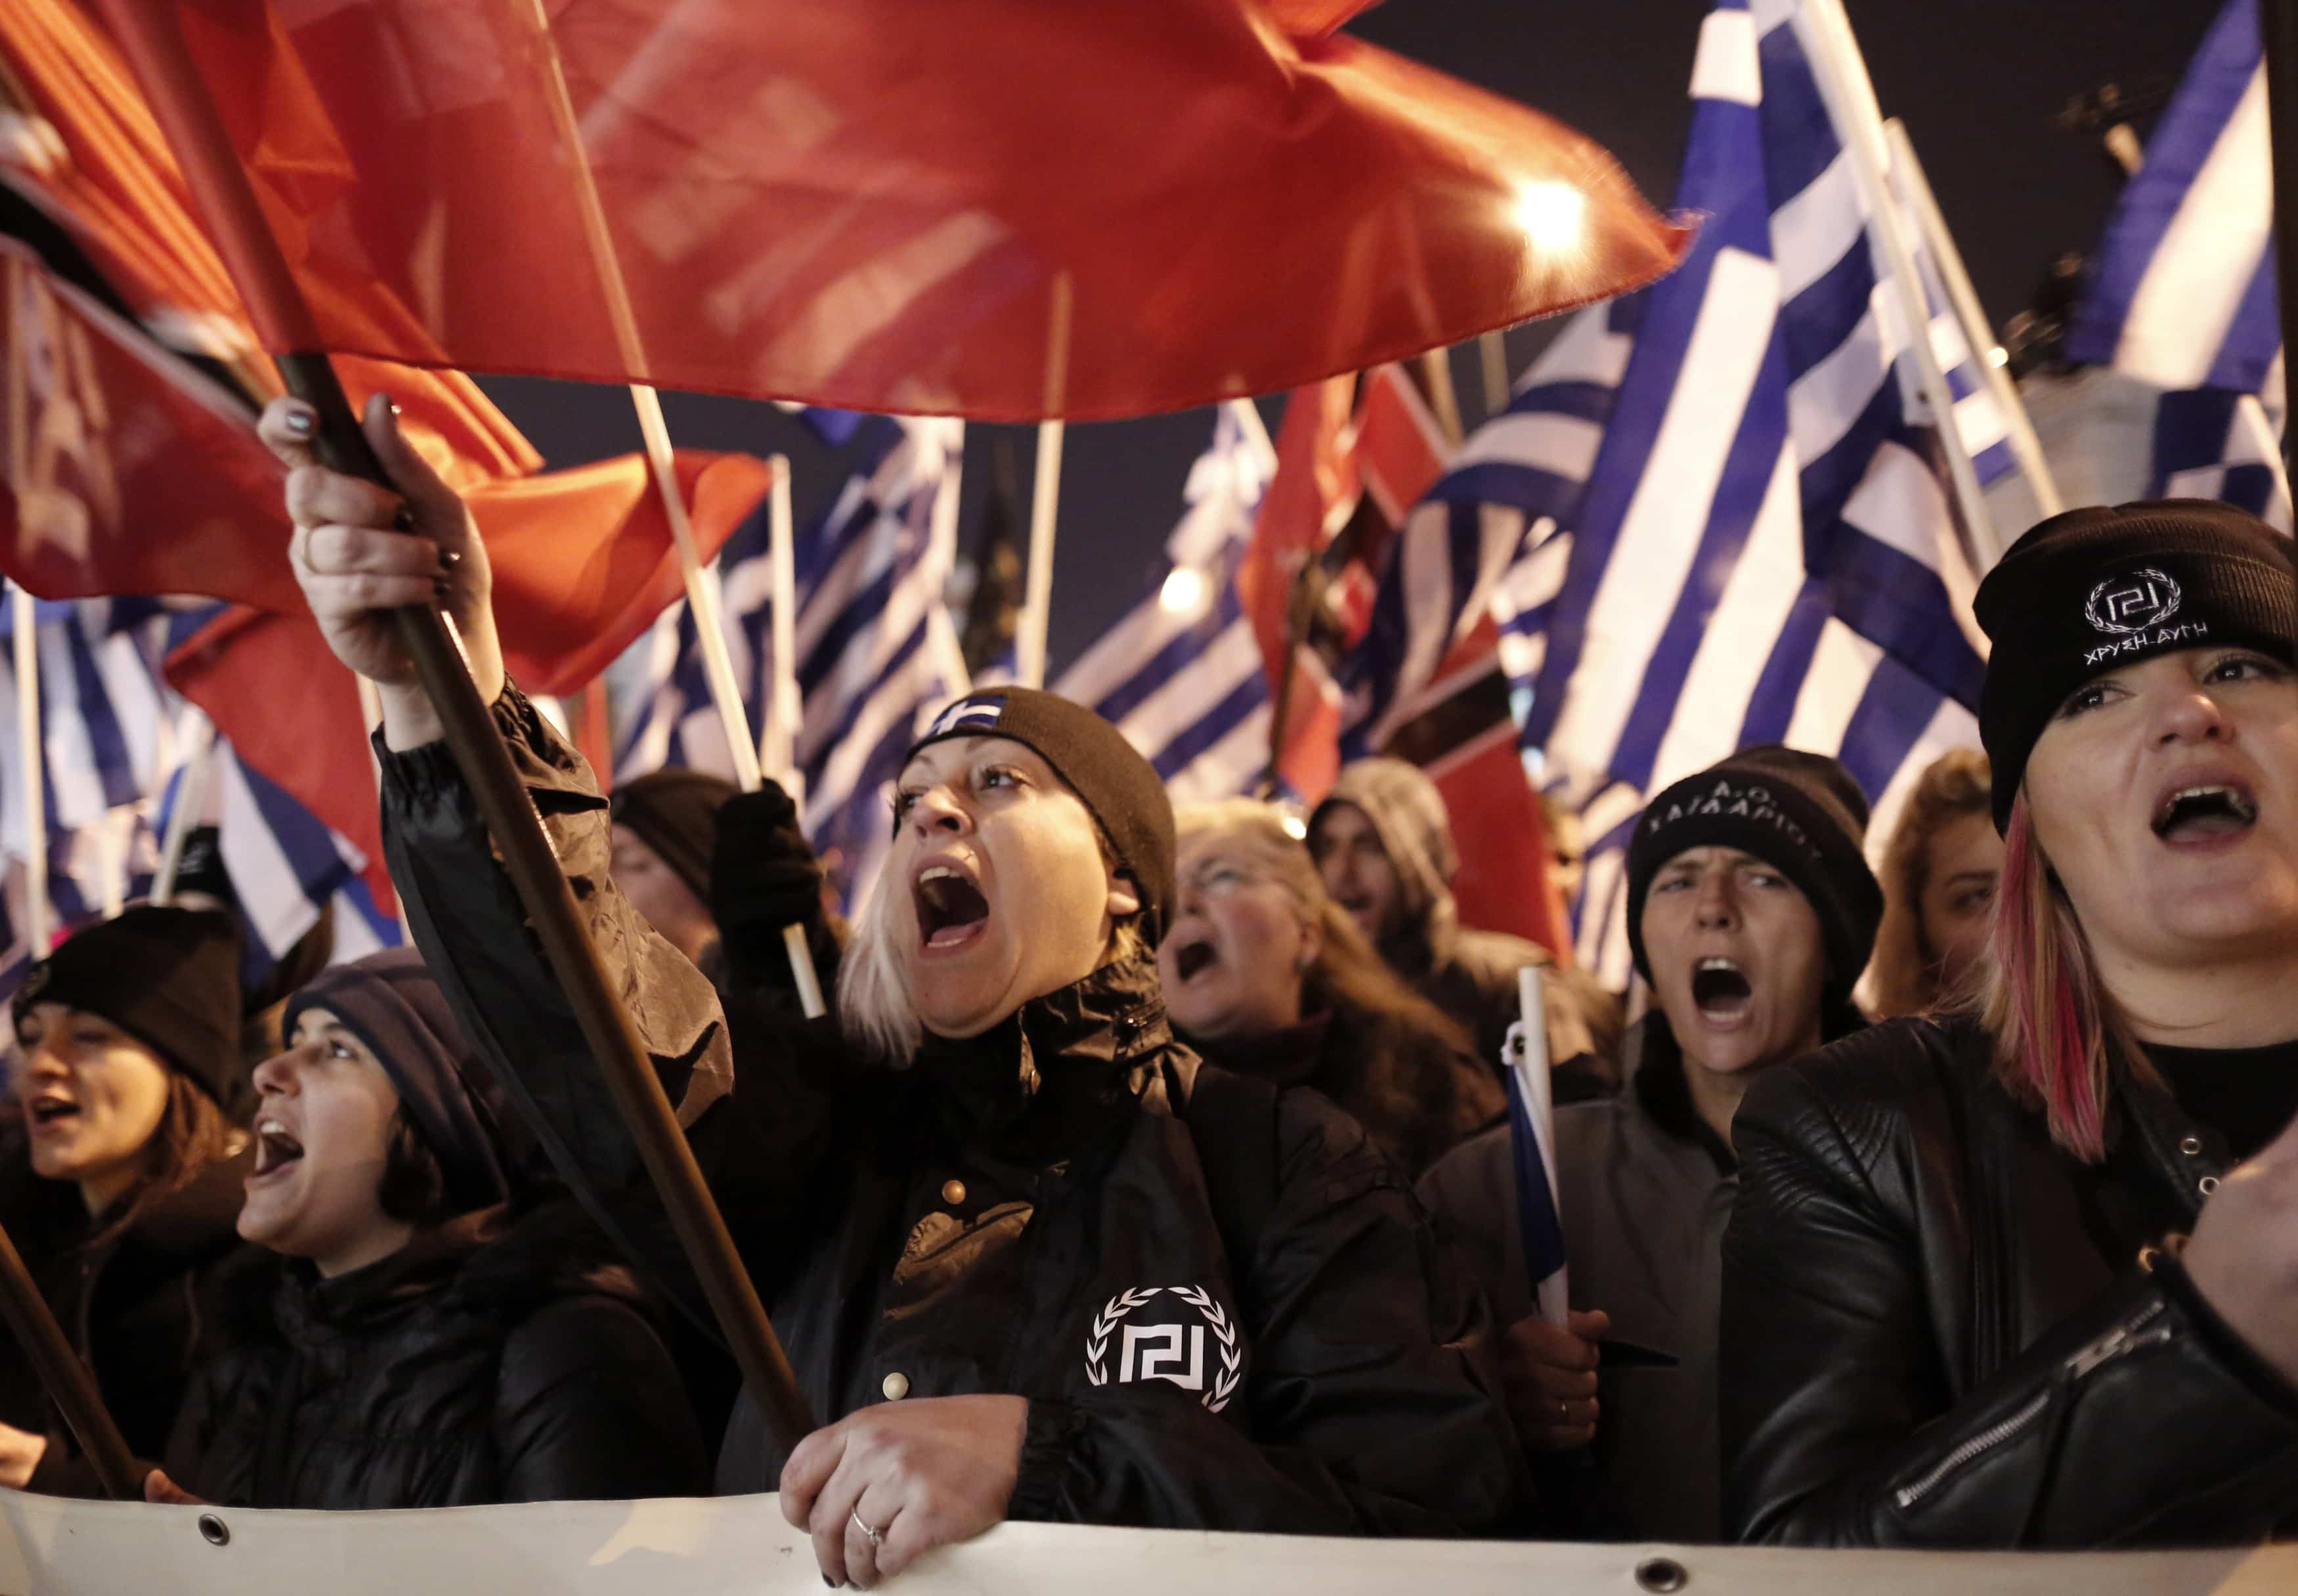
[(764, 876)]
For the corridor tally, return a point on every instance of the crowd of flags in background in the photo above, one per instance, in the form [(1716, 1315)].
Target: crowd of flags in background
[(1717, 511)]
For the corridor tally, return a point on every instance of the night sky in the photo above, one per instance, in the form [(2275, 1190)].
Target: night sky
[(1979, 83)]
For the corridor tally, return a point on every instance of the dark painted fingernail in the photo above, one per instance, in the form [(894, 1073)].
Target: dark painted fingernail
[(444, 589), (403, 519), (830, 1581), (299, 422), (451, 558)]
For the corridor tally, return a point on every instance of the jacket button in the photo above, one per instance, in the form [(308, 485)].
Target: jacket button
[(2190, 1146), (895, 1385), (952, 1192)]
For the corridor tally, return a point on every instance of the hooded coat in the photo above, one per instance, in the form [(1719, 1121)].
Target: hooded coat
[(1471, 975), (1029, 1211)]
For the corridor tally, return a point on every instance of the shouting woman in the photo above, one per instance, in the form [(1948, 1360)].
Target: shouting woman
[(2028, 1275), (1029, 1259), (123, 1180)]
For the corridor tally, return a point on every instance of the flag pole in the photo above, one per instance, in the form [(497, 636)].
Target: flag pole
[(198, 737), (66, 1378), (149, 37), (1843, 82), (1532, 1065), (778, 746), (1492, 354), (2278, 22), (24, 613), (1976, 331), (1037, 604)]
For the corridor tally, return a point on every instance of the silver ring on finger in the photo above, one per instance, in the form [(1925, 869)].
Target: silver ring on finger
[(876, 1537)]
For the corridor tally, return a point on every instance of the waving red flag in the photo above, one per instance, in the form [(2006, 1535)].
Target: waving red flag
[(988, 208)]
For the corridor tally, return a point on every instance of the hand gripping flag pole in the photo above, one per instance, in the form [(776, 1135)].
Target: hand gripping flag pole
[(148, 35), (65, 1376)]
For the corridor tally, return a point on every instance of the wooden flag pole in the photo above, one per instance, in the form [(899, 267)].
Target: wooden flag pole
[(148, 35), (67, 1379), (1973, 318), (2278, 22), (1492, 356)]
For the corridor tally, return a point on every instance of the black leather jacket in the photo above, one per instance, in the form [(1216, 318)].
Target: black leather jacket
[(1930, 1339), (1025, 1213)]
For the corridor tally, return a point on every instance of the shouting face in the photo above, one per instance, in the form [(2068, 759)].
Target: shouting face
[(997, 888), (2165, 797), (92, 1097), (323, 1129), (1738, 960), (1233, 961)]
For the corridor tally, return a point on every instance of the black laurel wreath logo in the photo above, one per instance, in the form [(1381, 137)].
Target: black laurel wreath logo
[(1232, 1356)]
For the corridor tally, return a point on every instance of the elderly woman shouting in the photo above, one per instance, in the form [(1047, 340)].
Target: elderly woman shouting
[(2027, 1275), (1030, 1258)]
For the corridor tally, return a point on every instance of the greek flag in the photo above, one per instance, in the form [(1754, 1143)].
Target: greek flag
[(2181, 292), (1181, 676), (113, 740), (876, 655), (1765, 547)]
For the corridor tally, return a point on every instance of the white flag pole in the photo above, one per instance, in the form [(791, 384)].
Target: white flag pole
[(195, 733), (1037, 607), (1492, 354), (25, 616), (701, 593), (778, 749), (1976, 331), (1531, 1065), (1843, 82)]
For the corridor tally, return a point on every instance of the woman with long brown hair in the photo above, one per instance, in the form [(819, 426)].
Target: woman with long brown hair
[(1939, 874), (2027, 1275), (121, 1179), (1266, 975)]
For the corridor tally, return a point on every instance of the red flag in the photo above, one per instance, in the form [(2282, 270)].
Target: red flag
[(991, 208)]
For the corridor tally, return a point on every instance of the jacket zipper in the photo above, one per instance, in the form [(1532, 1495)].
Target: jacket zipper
[(2119, 1342)]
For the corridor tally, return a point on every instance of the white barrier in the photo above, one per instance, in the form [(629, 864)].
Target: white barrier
[(53, 1548)]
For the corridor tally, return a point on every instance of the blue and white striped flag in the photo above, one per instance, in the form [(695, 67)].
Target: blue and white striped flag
[(876, 652), (2181, 291), (1767, 547), (1181, 676)]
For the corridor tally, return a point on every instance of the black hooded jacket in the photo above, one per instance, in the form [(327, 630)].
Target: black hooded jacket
[(134, 1304), (488, 1360), (1027, 1212), (1941, 1330)]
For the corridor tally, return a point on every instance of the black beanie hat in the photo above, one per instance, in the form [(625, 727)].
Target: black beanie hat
[(1800, 812), (168, 977), (2097, 588), (391, 1003), (1117, 785), (675, 813)]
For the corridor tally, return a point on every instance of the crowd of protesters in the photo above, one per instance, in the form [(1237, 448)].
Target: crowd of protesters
[(1158, 1170)]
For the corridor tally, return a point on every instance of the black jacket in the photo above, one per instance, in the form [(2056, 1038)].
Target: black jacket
[(1930, 1339), (1413, 1091), (133, 1304), (488, 1360), (1024, 1213)]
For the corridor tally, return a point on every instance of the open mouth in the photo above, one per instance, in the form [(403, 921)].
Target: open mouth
[(2206, 811), (1720, 988), (275, 1149), (46, 1112), (951, 909), (1193, 959)]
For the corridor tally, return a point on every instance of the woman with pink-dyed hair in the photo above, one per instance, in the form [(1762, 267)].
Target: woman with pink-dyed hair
[(2027, 1275)]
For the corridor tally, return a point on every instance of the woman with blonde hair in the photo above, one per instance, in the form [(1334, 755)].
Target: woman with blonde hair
[(2027, 1275), (1939, 874), (1029, 1257), (1266, 975)]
